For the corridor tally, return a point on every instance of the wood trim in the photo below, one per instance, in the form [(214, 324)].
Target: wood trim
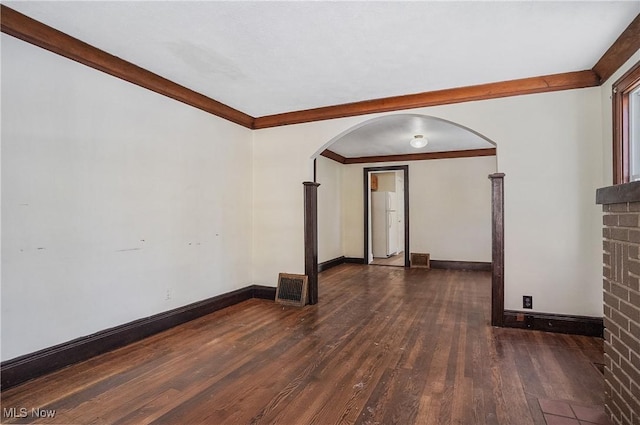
[(469, 153), (497, 249), (559, 323), (461, 265), (407, 254), (365, 188), (326, 265), (620, 103), (311, 239), (27, 29), (422, 156), (541, 84), (353, 260), (618, 194), (620, 51), (33, 365), (334, 156), (620, 147), (263, 292), (365, 213)]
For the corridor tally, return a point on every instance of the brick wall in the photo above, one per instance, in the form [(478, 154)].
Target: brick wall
[(621, 246)]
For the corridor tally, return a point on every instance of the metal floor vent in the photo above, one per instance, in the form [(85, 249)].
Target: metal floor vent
[(420, 260), (292, 289)]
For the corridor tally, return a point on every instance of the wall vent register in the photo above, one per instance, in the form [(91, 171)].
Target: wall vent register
[(420, 260), (292, 289)]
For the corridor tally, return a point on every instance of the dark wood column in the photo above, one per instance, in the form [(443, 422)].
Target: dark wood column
[(311, 239), (497, 248)]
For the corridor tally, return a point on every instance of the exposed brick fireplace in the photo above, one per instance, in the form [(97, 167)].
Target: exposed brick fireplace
[(621, 258)]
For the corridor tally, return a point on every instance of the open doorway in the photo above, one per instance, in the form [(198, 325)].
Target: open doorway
[(386, 215), (382, 140)]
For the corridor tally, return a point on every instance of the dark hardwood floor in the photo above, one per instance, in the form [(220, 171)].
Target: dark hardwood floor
[(385, 345), (395, 260)]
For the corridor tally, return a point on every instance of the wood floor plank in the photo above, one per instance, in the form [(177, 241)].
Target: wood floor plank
[(385, 345)]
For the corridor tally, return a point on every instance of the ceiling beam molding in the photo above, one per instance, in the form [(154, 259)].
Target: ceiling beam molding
[(34, 32), (471, 153), (334, 156), (620, 51), (542, 84)]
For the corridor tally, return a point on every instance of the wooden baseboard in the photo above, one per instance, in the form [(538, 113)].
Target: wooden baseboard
[(435, 264), (326, 265), (560, 323), (263, 292), (353, 260), (337, 261), (461, 265), (33, 365)]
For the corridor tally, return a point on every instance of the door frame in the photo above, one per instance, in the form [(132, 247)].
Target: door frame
[(366, 191)]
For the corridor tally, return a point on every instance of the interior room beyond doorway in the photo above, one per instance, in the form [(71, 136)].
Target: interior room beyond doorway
[(387, 218)]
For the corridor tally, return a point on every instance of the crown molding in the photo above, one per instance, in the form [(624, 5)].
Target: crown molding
[(620, 51), (470, 153), (543, 84), (334, 156), (27, 29)]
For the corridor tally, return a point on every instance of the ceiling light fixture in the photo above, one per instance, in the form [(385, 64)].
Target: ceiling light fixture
[(419, 141)]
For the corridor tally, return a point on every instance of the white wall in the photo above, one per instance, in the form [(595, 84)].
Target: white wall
[(450, 211), (449, 208), (329, 175), (279, 169), (117, 203), (115, 198), (549, 146), (607, 119), (386, 182)]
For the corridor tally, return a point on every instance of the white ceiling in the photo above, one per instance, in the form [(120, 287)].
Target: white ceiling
[(270, 57), (267, 57), (391, 134)]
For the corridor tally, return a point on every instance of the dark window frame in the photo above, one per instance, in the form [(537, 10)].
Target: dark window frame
[(620, 97)]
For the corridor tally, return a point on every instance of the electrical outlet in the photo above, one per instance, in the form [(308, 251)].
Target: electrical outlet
[(527, 301), (168, 296)]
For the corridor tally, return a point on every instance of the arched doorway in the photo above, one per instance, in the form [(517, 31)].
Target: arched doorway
[(384, 142)]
